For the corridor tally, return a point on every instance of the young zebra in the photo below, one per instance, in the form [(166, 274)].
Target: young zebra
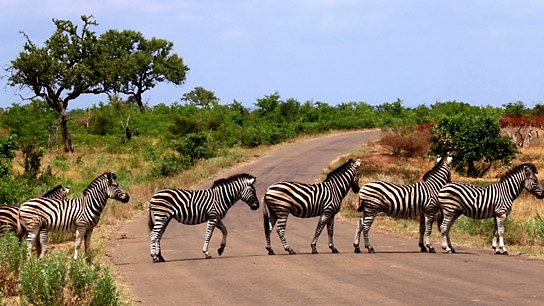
[(309, 200), (403, 201), (42, 215), (10, 213), (198, 206), (494, 201)]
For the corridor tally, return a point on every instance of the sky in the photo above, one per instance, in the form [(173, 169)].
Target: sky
[(481, 52)]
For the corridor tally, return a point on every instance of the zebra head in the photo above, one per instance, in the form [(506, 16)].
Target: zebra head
[(531, 182), (249, 195), (115, 191), (355, 179)]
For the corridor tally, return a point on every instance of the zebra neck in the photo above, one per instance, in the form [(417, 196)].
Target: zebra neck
[(95, 201), (228, 196), (512, 186)]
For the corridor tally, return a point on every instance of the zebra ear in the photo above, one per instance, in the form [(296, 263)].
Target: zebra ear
[(358, 162), (251, 181)]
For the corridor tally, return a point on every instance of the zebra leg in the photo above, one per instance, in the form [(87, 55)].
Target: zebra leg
[(269, 223), (320, 225), (422, 247), (31, 239), (428, 219), (80, 234), (330, 232), (494, 242), (282, 223), (357, 238), (209, 232), (41, 242), (156, 234), (367, 223), (500, 230), (223, 229), (445, 230), (88, 235)]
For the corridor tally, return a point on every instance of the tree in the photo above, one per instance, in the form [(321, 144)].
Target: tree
[(74, 61), (201, 97), (470, 139), (139, 64)]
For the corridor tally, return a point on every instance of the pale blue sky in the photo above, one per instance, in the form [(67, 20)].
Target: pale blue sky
[(475, 51)]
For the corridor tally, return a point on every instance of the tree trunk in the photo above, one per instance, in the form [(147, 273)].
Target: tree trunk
[(471, 169), (68, 148)]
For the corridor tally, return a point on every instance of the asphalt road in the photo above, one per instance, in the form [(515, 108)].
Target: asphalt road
[(397, 274)]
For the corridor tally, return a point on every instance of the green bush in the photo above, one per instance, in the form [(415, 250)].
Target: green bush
[(59, 280), (12, 257)]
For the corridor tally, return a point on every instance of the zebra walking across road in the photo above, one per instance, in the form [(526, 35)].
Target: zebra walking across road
[(309, 200), (403, 201), (494, 201), (43, 215), (10, 213), (198, 206)]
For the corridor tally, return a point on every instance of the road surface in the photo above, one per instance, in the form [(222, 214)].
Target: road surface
[(397, 274)]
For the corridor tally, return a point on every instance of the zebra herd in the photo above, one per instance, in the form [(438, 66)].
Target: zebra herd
[(434, 196)]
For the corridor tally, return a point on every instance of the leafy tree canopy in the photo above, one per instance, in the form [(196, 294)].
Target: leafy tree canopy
[(75, 61), (470, 139)]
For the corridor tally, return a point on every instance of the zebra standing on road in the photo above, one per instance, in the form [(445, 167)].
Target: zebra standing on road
[(309, 200), (10, 213), (198, 206), (494, 201), (403, 201), (42, 215)]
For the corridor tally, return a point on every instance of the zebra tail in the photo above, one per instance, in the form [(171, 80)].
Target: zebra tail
[(20, 231), (266, 216), (150, 221), (440, 218), (361, 206)]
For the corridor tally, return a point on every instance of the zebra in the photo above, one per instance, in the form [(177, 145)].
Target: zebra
[(309, 200), (9, 213), (403, 201), (42, 215), (494, 201), (193, 207)]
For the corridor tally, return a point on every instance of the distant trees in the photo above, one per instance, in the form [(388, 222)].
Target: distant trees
[(75, 61)]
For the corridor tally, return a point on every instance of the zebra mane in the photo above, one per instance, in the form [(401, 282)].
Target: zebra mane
[(225, 181), (52, 191), (516, 169), (434, 169), (340, 169), (98, 180)]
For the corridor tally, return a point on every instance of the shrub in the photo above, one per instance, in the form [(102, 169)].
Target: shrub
[(12, 257), (407, 143)]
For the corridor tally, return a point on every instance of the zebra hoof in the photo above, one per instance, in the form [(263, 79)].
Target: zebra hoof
[(451, 251), (334, 250), (431, 250), (499, 253), (220, 250), (422, 248), (208, 256), (357, 250), (270, 251), (291, 252), (157, 259), (371, 251), (314, 251)]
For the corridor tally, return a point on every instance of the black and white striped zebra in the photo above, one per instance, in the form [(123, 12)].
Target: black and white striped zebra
[(10, 213), (198, 206), (42, 215), (309, 200), (494, 201), (403, 201)]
